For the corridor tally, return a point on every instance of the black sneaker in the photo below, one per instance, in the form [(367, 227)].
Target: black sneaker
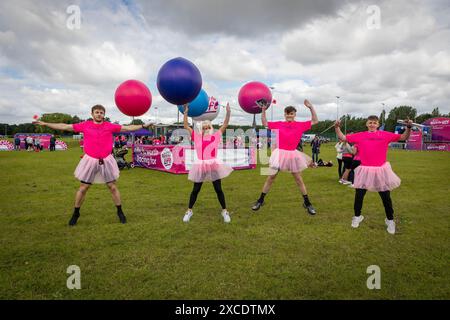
[(122, 217), (74, 219), (310, 209), (257, 205)]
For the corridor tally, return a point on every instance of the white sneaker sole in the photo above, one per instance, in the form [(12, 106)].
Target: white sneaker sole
[(186, 218)]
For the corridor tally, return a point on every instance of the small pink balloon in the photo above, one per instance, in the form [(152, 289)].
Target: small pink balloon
[(133, 98), (250, 93)]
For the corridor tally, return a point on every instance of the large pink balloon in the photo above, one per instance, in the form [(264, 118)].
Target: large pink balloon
[(252, 92), (133, 98)]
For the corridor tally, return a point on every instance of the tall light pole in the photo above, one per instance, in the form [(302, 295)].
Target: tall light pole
[(337, 107), (382, 111), (337, 112)]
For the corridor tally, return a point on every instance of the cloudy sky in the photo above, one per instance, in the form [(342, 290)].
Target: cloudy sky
[(366, 52)]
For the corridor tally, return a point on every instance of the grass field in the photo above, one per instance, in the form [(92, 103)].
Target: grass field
[(279, 252)]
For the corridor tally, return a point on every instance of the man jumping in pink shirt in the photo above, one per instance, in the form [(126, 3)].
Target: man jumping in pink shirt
[(97, 165), (286, 157)]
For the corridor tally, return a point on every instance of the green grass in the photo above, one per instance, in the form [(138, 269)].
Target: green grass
[(277, 253)]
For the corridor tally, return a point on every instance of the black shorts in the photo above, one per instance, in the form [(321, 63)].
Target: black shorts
[(355, 164), (347, 162)]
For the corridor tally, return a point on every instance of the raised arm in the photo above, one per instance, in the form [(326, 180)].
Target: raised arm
[(263, 116), (227, 119), (55, 126), (185, 119), (134, 127), (314, 119), (339, 132), (405, 135)]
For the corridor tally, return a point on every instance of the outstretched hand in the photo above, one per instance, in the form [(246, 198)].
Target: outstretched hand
[(308, 104), (39, 123), (228, 107), (186, 107), (408, 122), (337, 124)]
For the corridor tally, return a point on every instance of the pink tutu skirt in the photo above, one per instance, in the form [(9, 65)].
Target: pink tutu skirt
[(91, 171), (376, 178), (289, 160), (209, 170)]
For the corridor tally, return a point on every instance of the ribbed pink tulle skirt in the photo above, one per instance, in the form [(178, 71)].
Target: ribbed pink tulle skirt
[(209, 170), (91, 171), (289, 160), (376, 178)]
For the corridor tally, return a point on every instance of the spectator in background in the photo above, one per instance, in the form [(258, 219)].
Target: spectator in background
[(339, 150), (17, 143), (347, 157), (52, 143), (116, 142), (315, 144), (29, 143), (123, 141), (37, 144)]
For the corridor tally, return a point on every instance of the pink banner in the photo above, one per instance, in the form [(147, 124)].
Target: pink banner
[(173, 158), (164, 157), (415, 140), (440, 128), (437, 146)]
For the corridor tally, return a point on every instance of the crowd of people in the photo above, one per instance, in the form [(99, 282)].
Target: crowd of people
[(33, 143)]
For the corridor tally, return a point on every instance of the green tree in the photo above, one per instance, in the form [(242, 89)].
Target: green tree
[(54, 118), (383, 117), (435, 113), (137, 121), (423, 117), (399, 113)]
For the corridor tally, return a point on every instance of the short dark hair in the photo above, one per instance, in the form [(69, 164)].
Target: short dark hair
[(289, 109), (98, 107), (373, 118)]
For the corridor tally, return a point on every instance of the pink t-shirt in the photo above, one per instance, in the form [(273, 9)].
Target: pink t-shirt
[(98, 138), (373, 146), (289, 133), (206, 145)]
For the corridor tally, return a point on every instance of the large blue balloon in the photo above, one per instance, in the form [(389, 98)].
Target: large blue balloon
[(179, 81), (198, 106)]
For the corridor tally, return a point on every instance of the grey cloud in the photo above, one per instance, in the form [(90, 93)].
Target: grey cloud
[(236, 17)]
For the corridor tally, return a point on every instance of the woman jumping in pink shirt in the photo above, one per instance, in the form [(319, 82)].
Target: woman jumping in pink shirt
[(375, 173), (286, 157), (207, 167)]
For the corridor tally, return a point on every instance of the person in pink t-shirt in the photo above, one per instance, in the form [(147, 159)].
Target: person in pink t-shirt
[(374, 173), (286, 157), (207, 167), (97, 165)]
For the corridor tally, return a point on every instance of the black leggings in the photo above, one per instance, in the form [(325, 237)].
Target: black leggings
[(340, 169), (385, 197), (315, 156), (217, 187)]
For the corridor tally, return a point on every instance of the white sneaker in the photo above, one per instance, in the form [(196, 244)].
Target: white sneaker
[(187, 216), (345, 182), (390, 226), (356, 221), (226, 216), (341, 181)]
